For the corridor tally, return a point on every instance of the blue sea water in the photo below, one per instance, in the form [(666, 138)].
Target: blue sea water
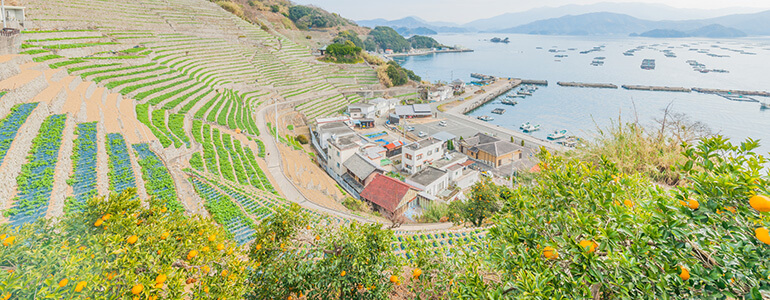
[(582, 110)]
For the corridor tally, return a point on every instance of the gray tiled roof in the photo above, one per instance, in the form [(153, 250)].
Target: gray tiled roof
[(359, 166)]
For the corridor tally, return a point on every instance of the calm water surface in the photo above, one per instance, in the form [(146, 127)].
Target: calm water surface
[(580, 110)]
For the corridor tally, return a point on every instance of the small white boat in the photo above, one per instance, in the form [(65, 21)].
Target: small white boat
[(765, 105), (485, 118), (525, 93), (530, 127), (557, 135), (524, 125), (509, 102)]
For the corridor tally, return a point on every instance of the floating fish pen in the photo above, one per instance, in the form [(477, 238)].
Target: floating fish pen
[(588, 85), (498, 111)]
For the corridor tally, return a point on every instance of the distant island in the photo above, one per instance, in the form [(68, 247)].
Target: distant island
[(710, 31), (499, 40)]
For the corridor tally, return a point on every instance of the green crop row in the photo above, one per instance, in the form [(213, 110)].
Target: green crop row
[(209, 154), (81, 45), (143, 115), (240, 172), (202, 111), (173, 104), (159, 121), (132, 88), (145, 94), (45, 58), (196, 161), (176, 125), (224, 159), (86, 74)]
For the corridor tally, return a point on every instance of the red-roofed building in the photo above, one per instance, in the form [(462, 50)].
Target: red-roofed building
[(389, 196)]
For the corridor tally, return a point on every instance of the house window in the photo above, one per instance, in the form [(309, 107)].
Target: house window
[(408, 156), (408, 166), (499, 162), (338, 153), (338, 165), (419, 156)]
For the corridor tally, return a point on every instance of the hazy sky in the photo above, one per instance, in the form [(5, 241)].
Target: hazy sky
[(463, 11)]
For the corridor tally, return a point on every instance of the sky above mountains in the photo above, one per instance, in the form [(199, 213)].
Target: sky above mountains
[(463, 11)]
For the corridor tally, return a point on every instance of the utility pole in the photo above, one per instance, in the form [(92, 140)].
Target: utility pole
[(275, 103), (2, 11)]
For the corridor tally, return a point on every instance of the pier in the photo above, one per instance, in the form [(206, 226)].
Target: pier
[(656, 88), (534, 81), (588, 85)]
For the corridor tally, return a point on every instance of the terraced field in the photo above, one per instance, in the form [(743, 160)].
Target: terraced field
[(160, 96)]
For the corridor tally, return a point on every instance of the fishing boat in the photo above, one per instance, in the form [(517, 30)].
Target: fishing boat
[(514, 96), (525, 93), (498, 111), (485, 118), (524, 125), (764, 105), (509, 102), (557, 135), (530, 127)]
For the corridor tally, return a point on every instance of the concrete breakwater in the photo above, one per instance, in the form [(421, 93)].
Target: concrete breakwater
[(428, 52), (732, 92), (502, 87), (588, 85), (534, 81), (656, 88)]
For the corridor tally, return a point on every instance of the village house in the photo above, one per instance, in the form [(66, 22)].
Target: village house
[(436, 93), (413, 111), (458, 86), (388, 196), (490, 150), (417, 155), (383, 106), (361, 111)]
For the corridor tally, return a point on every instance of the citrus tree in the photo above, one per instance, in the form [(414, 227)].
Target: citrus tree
[(117, 249), (296, 258), (585, 230), (484, 202)]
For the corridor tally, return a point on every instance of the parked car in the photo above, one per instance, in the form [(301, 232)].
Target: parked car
[(422, 134), (442, 123), (409, 128)]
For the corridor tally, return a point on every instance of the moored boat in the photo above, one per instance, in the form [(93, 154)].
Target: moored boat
[(528, 127), (485, 118), (509, 102), (556, 135), (498, 111)]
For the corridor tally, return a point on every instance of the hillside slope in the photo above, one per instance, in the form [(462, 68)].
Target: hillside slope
[(156, 95)]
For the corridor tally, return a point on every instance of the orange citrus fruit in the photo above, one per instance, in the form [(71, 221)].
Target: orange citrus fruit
[(132, 239), (589, 246), (63, 282), (693, 204), (685, 275), (550, 253), (79, 287), (760, 203), (137, 289), (763, 235)]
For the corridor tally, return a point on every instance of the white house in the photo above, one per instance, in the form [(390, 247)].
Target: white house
[(383, 106), (341, 148), (434, 94), (458, 85), (361, 111), (13, 16), (430, 180), (416, 156)]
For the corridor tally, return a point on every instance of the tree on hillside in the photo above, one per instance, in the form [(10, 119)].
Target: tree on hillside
[(297, 258), (311, 17), (423, 42), (386, 38), (583, 230), (483, 203), (348, 35)]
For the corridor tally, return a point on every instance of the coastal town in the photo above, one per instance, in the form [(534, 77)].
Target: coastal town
[(266, 149)]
